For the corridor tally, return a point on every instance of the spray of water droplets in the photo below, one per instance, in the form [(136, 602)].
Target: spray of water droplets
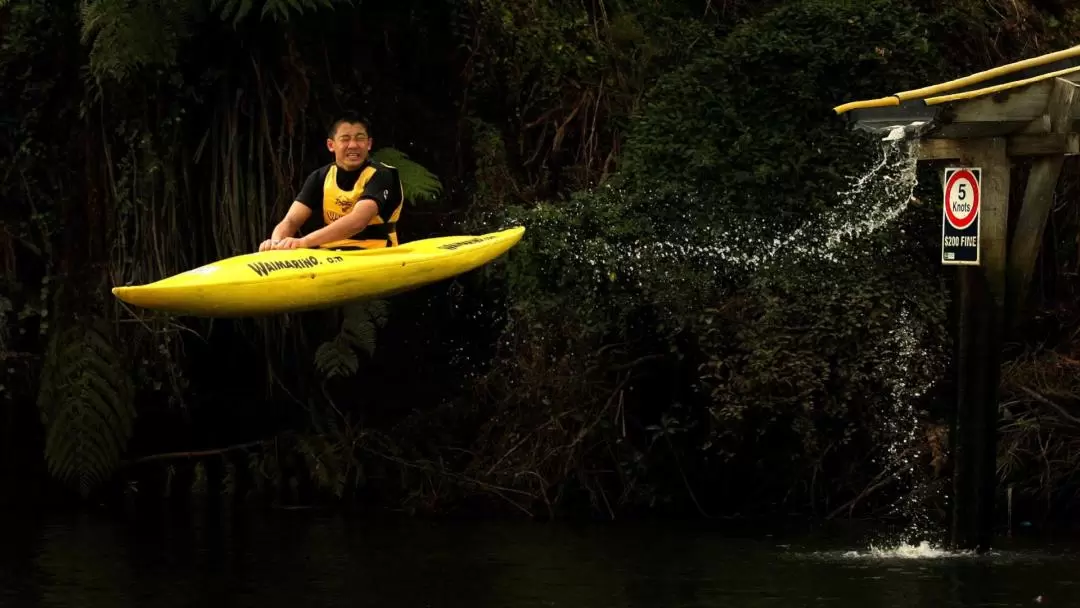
[(902, 429), (733, 248)]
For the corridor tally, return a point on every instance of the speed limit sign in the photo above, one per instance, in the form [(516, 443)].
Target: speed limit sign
[(960, 216)]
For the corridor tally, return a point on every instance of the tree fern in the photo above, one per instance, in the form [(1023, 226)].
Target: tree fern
[(126, 35), (337, 357), (86, 405), (417, 182), (330, 459), (279, 10), (5, 308)]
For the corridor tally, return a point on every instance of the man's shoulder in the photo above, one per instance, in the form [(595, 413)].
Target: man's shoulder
[(381, 167), (385, 174), (320, 172), (311, 191)]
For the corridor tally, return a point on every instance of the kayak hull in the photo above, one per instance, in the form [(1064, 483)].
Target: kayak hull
[(272, 282)]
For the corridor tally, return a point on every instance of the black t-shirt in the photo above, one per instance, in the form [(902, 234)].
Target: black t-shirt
[(384, 187)]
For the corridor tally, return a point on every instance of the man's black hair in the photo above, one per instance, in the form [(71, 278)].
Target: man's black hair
[(351, 118)]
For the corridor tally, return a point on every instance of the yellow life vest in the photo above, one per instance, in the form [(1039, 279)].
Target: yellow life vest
[(337, 203)]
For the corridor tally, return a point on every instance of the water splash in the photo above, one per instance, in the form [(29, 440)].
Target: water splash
[(923, 550), (735, 246), (875, 200), (729, 247), (918, 554), (903, 429)]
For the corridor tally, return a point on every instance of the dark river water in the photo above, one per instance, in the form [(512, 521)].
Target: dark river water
[(290, 559)]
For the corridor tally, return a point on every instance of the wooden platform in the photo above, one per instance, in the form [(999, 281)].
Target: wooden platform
[(988, 121), (1009, 101)]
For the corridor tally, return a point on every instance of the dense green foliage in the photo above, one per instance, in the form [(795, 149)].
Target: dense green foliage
[(698, 164), (643, 348)]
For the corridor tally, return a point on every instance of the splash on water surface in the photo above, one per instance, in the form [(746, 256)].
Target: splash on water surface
[(923, 550)]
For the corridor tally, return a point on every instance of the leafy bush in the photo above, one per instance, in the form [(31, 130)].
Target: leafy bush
[(750, 121), (730, 154)]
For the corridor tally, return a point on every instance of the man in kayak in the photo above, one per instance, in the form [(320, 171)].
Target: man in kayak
[(359, 200)]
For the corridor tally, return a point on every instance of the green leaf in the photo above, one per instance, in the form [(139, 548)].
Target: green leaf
[(278, 10), (416, 181), (86, 404), (337, 357), (127, 35)]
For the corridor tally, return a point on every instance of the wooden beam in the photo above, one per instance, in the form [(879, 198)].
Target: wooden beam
[(973, 130), (1037, 126), (1024, 104), (1038, 198), (1052, 144), (1017, 111)]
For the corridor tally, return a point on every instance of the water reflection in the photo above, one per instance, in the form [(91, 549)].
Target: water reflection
[(302, 559)]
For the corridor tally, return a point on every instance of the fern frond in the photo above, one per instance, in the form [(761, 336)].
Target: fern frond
[(126, 35), (336, 358), (199, 480), (362, 320), (5, 308), (375, 311), (238, 9), (417, 182), (359, 334), (86, 405), (278, 10), (328, 461)]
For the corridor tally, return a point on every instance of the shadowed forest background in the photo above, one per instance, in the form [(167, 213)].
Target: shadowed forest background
[(585, 374)]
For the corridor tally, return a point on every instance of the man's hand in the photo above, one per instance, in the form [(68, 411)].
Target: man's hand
[(285, 243), (297, 215), (290, 243)]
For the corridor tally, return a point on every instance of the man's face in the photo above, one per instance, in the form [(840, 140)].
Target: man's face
[(350, 145)]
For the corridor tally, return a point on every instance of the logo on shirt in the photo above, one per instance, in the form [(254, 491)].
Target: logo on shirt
[(345, 203)]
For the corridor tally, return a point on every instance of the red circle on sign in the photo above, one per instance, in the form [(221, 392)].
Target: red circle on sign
[(961, 223)]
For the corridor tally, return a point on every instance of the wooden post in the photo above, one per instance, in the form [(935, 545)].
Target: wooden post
[(990, 298), (1034, 116), (981, 316), (1038, 199)]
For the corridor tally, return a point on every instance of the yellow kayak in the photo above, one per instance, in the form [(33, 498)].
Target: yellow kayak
[(271, 282)]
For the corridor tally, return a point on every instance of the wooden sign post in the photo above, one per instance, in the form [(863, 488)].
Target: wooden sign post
[(982, 130), (981, 305)]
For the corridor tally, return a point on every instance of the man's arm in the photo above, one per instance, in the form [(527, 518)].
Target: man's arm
[(344, 227), (385, 189), (293, 220), (381, 195), (299, 212)]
